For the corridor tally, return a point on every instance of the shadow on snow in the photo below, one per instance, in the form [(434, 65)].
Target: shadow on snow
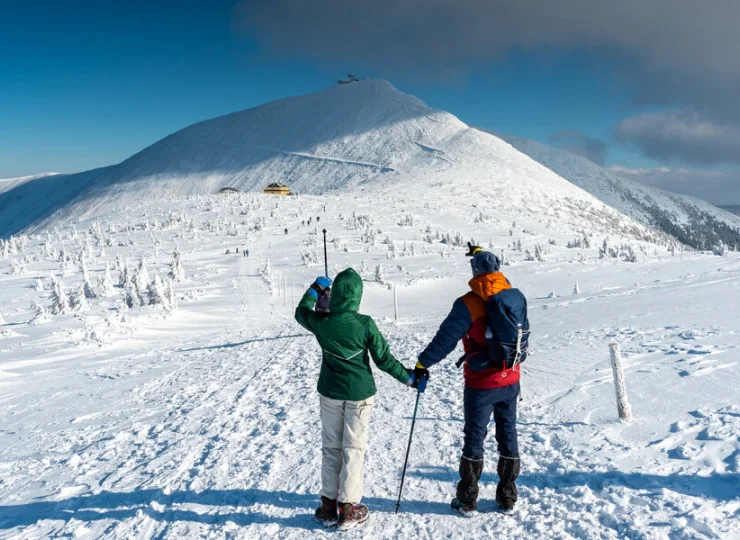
[(120, 506)]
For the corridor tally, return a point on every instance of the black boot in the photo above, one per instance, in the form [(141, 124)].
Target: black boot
[(471, 469), (508, 472), (326, 514)]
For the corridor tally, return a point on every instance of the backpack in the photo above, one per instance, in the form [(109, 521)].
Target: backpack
[(507, 333)]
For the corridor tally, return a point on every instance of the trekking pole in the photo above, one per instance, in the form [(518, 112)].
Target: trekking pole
[(326, 261), (408, 449)]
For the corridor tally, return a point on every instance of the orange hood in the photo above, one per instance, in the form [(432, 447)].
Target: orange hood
[(486, 285)]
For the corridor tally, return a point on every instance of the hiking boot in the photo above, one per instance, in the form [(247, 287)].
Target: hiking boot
[(326, 514), (508, 472), (462, 507), (352, 515)]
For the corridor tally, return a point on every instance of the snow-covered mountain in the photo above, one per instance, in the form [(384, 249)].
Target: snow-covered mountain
[(361, 136), (692, 221)]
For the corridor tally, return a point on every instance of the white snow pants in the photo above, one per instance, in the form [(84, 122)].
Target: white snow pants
[(344, 426)]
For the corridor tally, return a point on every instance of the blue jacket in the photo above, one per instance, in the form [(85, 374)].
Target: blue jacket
[(450, 332)]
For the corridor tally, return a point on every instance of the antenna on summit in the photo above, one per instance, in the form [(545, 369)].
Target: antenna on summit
[(351, 77)]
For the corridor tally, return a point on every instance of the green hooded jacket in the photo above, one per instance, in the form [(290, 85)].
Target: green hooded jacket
[(346, 338)]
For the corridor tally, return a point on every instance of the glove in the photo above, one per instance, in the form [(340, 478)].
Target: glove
[(472, 250), (319, 286), (418, 377)]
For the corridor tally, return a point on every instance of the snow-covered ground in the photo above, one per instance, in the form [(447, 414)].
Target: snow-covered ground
[(202, 420)]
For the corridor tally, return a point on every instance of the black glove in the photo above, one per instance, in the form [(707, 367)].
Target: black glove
[(418, 377), (472, 250)]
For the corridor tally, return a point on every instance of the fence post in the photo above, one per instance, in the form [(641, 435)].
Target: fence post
[(623, 406), (395, 302)]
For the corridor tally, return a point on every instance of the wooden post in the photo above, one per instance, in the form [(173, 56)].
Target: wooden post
[(623, 406)]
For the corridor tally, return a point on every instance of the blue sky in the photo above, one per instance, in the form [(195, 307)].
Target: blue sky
[(89, 83)]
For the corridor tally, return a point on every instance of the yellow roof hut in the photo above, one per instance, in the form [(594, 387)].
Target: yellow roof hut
[(276, 188)]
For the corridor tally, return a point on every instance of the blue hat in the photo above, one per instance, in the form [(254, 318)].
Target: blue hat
[(484, 262)]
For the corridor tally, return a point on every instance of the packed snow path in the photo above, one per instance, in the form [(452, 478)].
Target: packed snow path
[(225, 442)]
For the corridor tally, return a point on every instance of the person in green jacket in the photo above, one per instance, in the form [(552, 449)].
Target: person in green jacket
[(347, 389)]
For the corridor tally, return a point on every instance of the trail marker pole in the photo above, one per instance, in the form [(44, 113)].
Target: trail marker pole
[(623, 406), (326, 260), (395, 302)]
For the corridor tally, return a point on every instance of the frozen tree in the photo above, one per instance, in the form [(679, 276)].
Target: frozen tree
[(87, 288), (119, 264), (576, 289), (125, 279), (39, 285), (79, 301), (141, 277), (170, 295), (379, 274), (156, 293), (40, 316), (105, 283), (719, 249), (59, 301), (177, 273), (131, 296)]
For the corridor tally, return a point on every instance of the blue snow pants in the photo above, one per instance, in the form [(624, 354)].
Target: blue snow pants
[(479, 406)]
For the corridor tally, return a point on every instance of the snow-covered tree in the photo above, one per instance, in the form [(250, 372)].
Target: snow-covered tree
[(59, 301), (41, 315), (156, 293), (379, 274), (141, 276), (79, 301), (39, 284), (131, 296), (125, 278), (105, 283), (576, 288), (177, 273), (170, 295)]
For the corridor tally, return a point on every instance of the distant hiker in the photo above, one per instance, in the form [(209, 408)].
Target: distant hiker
[(286, 231), (491, 384), (318, 218), (228, 252), (246, 253), (347, 389), (303, 222), (237, 251)]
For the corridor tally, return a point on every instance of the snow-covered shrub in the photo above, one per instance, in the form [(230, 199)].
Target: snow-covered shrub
[(719, 249), (576, 288)]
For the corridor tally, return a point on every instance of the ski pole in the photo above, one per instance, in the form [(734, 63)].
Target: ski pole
[(408, 449), (326, 261)]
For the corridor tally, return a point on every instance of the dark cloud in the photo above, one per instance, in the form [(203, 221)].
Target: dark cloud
[(577, 142), (718, 187), (673, 51), (683, 135)]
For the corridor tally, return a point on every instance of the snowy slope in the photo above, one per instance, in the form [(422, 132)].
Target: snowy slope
[(693, 221), (365, 135), (202, 421)]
